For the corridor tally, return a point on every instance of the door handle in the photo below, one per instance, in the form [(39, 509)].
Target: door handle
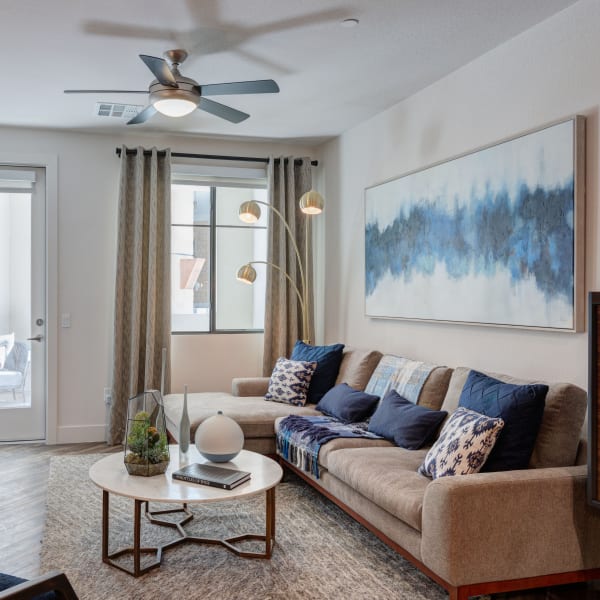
[(37, 338)]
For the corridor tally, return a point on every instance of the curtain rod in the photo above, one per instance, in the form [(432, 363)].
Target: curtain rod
[(298, 161)]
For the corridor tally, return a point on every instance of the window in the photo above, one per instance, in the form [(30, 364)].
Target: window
[(208, 245)]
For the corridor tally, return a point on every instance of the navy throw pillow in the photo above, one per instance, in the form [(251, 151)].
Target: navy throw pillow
[(521, 407), (406, 424), (347, 404), (328, 359)]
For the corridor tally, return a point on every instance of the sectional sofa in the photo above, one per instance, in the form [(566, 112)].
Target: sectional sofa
[(472, 534)]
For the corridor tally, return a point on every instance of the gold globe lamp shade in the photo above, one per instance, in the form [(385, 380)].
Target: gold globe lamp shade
[(246, 274), (249, 212), (311, 203)]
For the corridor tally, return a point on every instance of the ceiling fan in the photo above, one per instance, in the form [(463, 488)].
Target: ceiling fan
[(174, 95)]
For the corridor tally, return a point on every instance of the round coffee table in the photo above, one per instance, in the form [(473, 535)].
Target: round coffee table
[(111, 476)]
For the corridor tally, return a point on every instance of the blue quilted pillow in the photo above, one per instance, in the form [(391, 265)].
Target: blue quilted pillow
[(290, 380), (328, 359), (347, 404), (521, 407), (406, 424)]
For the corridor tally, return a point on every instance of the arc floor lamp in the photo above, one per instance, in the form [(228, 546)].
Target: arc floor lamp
[(311, 203)]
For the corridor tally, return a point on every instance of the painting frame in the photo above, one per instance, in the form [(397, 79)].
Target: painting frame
[(397, 286)]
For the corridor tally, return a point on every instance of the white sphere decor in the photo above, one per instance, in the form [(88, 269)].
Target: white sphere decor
[(219, 438)]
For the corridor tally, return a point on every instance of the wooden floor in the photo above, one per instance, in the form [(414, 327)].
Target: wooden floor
[(23, 482)]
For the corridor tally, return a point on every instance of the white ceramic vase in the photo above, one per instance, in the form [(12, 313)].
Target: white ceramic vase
[(219, 438)]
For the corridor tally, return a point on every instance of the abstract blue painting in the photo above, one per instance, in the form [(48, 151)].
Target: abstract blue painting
[(492, 237)]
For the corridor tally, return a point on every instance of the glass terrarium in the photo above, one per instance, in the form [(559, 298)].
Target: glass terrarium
[(146, 445)]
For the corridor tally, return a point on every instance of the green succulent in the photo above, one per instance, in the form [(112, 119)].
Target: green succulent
[(145, 443)]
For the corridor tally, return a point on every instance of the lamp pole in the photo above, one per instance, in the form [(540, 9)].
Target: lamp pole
[(303, 296), (244, 269), (311, 203)]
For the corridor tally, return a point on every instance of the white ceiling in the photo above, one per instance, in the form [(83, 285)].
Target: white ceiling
[(330, 77)]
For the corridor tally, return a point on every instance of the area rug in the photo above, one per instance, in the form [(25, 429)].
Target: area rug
[(320, 552)]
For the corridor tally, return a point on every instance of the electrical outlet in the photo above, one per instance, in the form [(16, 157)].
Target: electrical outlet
[(107, 396)]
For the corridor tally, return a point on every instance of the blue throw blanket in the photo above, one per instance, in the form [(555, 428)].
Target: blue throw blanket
[(299, 438)]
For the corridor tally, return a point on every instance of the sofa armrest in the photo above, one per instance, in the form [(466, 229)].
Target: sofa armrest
[(509, 525), (249, 386)]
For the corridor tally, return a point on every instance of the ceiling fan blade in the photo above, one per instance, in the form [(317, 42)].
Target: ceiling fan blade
[(105, 91), (220, 110), (160, 69), (260, 86), (143, 116)]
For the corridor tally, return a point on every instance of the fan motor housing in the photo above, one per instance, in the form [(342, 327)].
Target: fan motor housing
[(187, 89)]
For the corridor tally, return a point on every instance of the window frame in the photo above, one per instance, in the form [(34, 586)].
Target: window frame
[(214, 182)]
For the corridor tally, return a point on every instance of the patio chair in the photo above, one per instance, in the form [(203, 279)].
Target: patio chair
[(14, 372)]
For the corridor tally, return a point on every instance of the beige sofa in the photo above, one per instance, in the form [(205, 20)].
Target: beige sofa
[(473, 534)]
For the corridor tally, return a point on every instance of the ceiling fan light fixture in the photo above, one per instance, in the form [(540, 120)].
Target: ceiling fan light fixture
[(175, 102), (175, 95), (175, 107)]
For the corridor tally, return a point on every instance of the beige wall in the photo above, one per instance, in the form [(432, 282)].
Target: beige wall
[(88, 175), (548, 73), (209, 362)]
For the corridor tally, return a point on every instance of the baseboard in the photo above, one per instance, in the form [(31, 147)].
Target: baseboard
[(77, 434)]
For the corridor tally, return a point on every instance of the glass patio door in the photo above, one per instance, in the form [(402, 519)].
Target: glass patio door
[(22, 304)]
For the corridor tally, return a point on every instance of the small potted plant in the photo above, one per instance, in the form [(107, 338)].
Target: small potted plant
[(147, 448)]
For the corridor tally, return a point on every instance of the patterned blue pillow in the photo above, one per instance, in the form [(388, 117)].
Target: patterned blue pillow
[(290, 380), (463, 446)]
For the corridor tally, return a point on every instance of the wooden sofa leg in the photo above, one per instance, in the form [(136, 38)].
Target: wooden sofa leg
[(458, 593)]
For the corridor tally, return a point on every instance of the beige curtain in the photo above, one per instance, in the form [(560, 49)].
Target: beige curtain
[(142, 325), (283, 315)]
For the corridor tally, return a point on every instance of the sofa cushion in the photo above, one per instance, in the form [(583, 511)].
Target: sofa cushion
[(463, 446), (357, 366), (385, 475), (10, 378), (521, 407), (254, 415), (347, 404), (328, 359), (290, 381), (406, 424), (560, 431), (435, 388), (7, 341), (332, 446)]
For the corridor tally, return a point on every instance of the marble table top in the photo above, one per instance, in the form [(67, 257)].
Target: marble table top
[(110, 474)]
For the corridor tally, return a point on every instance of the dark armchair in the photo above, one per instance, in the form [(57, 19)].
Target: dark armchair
[(53, 585)]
